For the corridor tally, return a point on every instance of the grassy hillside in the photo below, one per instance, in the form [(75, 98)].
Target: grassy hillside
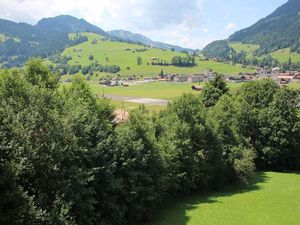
[(125, 55), (272, 199), (249, 48), (282, 55)]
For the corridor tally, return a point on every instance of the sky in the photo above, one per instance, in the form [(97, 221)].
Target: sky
[(187, 23)]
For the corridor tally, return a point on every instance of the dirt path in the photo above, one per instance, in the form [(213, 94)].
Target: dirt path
[(145, 101)]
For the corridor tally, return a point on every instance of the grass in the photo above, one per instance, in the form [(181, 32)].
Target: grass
[(125, 55), (282, 55), (160, 90), (248, 48), (2, 37), (271, 199)]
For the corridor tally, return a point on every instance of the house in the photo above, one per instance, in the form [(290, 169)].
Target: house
[(297, 76), (284, 78), (197, 88), (181, 78), (196, 78), (121, 116), (105, 82), (237, 79)]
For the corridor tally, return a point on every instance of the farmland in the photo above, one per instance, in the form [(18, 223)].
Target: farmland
[(271, 199), (125, 55)]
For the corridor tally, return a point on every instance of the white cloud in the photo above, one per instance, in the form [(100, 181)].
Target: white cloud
[(231, 26), (178, 20)]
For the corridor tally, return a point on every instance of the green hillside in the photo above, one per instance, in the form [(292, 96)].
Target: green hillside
[(125, 55), (239, 47), (282, 55)]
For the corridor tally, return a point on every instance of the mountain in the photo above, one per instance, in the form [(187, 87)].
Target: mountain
[(20, 41), (281, 29), (138, 38), (68, 24)]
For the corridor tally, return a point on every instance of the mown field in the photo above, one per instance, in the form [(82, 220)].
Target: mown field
[(271, 199), (125, 55)]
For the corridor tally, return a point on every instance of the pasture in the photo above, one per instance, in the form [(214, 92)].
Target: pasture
[(125, 55), (282, 55), (248, 48), (270, 199)]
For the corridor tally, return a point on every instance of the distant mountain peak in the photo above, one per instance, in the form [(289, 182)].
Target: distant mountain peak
[(138, 38)]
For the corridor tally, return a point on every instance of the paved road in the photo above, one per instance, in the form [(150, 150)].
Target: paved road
[(145, 101)]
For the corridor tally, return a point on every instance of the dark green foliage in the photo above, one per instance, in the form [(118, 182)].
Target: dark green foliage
[(218, 49), (47, 38), (64, 161), (268, 117), (278, 30), (192, 152), (183, 61), (213, 90)]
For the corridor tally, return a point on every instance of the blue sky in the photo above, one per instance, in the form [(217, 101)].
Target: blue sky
[(188, 23)]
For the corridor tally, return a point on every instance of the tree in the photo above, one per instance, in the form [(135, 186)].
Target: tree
[(213, 90), (91, 57), (139, 60), (161, 74)]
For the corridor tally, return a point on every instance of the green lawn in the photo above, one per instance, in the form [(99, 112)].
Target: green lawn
[(272, 199), (160, 90), (125, 55)]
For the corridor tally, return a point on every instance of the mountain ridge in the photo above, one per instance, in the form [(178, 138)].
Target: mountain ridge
[(50, 36)]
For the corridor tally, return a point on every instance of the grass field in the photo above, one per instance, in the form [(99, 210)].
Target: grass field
[(271, 199), (125, 55), (160, 90)]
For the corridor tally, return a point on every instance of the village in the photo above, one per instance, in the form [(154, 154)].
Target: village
[(276, 74)]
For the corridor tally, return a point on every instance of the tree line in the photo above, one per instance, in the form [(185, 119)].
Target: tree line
[(64, 161)]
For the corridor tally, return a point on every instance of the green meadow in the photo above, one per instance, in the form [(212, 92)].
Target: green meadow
[(125, 55), (270, 199), (239, 47), (282, 55)]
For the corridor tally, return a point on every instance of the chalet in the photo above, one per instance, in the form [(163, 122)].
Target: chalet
[(237, 79), (181, 78), (196, 78), (121, 116), (105, 82), (297, 76), (284, 78), (197, 88)]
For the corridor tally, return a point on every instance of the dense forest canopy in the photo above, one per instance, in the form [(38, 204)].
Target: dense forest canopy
[(64, 161)]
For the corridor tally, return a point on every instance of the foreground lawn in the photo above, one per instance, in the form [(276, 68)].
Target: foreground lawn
[(272, 199)]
